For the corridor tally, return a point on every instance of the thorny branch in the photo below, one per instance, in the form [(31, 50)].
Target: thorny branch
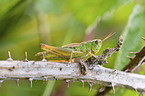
[(40, 70)]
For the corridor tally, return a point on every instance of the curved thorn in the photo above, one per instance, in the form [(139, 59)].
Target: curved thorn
[(82, 82), (91, 84), (113, 87), (43, 60), (129, 57), (31, 81), (26, 60), (68, 83), (9, 59), (17, 80), (133, 52)]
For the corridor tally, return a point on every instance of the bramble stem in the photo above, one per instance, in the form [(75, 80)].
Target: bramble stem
[(40, 70)]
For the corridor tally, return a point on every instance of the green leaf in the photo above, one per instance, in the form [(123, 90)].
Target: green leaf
[(132, 37), (86, 12)]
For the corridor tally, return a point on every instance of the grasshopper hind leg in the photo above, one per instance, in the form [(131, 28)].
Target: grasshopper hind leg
[(73, 55)]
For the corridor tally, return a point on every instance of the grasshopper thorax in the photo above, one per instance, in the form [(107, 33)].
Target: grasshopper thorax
[(92, 46)]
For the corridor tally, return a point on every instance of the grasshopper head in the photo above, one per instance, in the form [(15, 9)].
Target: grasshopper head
[(96, 45), (43, 46), (98, 41)]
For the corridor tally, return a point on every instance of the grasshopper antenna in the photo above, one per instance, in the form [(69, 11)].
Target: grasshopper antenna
[(108, 36)]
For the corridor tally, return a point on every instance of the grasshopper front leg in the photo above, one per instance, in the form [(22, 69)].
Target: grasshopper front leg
[(91, 54)]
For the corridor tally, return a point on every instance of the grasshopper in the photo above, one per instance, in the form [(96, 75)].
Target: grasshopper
[(73, 51)]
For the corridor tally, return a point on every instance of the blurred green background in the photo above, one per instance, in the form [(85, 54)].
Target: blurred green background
[(24, 24)]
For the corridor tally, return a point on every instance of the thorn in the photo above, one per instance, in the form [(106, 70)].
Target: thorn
[(1, 81), (43, 60), (26, 60), (129, 57), (82, 82), (17, 80), (127, 70), (68, 83), (45, 78), (113, 87), (133, 52), (31, 81), (91, 84), (9, 59)]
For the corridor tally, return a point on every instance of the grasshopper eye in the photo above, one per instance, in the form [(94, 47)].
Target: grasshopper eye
[(96, 42)]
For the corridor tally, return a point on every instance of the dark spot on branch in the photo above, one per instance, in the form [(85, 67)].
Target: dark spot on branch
[(11, 68), (60, 69)]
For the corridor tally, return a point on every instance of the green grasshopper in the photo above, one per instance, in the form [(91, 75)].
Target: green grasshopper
[(70, 52)]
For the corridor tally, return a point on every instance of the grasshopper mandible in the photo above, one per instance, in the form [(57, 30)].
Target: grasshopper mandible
[(83, 51)]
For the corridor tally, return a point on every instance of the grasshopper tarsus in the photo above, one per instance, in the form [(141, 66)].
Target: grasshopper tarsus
[(83, 67)]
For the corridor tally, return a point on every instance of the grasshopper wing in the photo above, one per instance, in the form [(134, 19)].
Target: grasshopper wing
[(59, 53), (72, 45), (57, 50), (50, 56)]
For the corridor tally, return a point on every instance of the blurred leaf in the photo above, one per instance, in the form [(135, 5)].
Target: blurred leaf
[(11, 16), (49, 87), (132, 37), (10, 88), (122, 92), (64, 31), (76, 89), (88, 11), (49, 6), (113, 22), (6, 6)]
